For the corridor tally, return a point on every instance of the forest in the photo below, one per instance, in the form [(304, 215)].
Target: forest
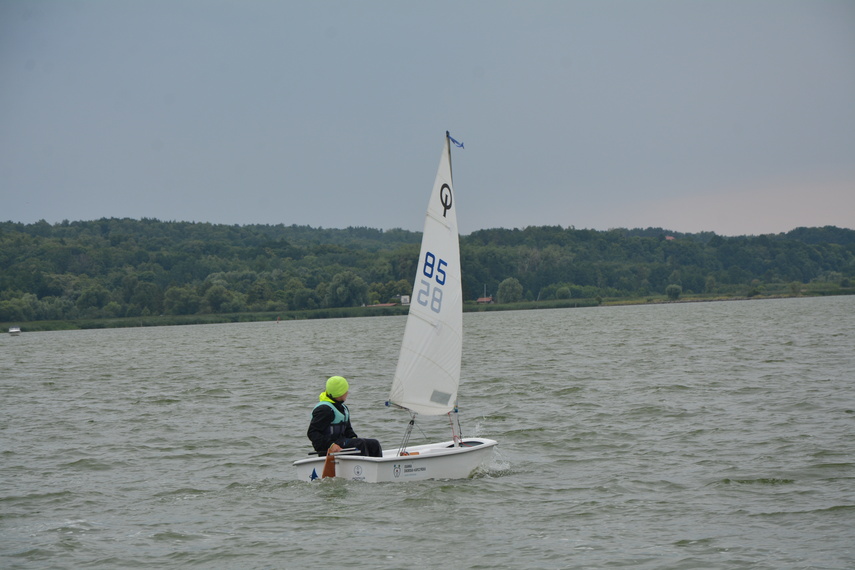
[(112, 268)]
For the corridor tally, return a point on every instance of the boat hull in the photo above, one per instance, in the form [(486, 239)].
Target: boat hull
[(431, 461)]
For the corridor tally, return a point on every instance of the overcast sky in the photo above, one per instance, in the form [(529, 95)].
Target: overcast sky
[(728, 116)]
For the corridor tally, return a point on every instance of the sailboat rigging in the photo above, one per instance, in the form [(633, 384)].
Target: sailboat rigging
[(427, 376)]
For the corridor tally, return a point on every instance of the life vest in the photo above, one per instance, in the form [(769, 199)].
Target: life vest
[(340, 420)]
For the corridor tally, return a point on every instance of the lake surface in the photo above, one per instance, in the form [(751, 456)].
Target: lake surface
[(691, 435)]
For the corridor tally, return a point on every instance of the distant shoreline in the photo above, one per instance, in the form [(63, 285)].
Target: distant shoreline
[(397, 310)]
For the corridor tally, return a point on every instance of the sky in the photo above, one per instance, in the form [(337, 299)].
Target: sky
[(726, 116)]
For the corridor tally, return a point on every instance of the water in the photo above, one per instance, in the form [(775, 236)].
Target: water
[(708, 435)]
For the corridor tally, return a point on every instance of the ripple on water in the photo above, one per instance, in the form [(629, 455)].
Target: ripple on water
[(710, 435)]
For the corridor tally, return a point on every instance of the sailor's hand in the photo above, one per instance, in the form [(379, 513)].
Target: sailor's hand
[(334, 448)]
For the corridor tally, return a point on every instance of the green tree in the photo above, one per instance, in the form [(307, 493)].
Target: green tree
[(113, 309), (94, 296), (673, 291), (304, 299), (148, 297), (15, 310), (347, 290), (181, 301), (510, 291), (260, 291), (235, 304), (216, 298), (795, 288)]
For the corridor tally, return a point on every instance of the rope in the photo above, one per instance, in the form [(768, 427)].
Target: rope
[(406, 439)]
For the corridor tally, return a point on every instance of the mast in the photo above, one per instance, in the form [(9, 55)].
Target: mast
[(453, 417), (448, 146)]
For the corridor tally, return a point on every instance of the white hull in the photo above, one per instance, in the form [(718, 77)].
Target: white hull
[(431, 461)]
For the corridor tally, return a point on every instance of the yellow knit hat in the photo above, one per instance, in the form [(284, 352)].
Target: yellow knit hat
[(336, 386)]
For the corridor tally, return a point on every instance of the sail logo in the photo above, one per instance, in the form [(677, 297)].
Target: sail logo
[(445, 198)]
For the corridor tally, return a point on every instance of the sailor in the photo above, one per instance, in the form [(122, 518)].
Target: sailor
[(330, 429)]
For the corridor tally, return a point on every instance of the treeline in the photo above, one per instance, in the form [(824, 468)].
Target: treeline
[(128, 268)]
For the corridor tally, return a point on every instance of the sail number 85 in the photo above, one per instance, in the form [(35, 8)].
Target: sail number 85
[(430, 293)]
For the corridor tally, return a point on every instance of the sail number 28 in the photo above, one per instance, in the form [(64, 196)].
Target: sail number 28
[(430, 293)]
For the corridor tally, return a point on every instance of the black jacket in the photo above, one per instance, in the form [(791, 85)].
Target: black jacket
[(319, 428)]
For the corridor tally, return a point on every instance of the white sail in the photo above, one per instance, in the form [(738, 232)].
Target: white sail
[(428, 372)]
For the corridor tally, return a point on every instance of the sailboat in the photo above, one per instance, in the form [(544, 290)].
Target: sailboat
[(428, 373)]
